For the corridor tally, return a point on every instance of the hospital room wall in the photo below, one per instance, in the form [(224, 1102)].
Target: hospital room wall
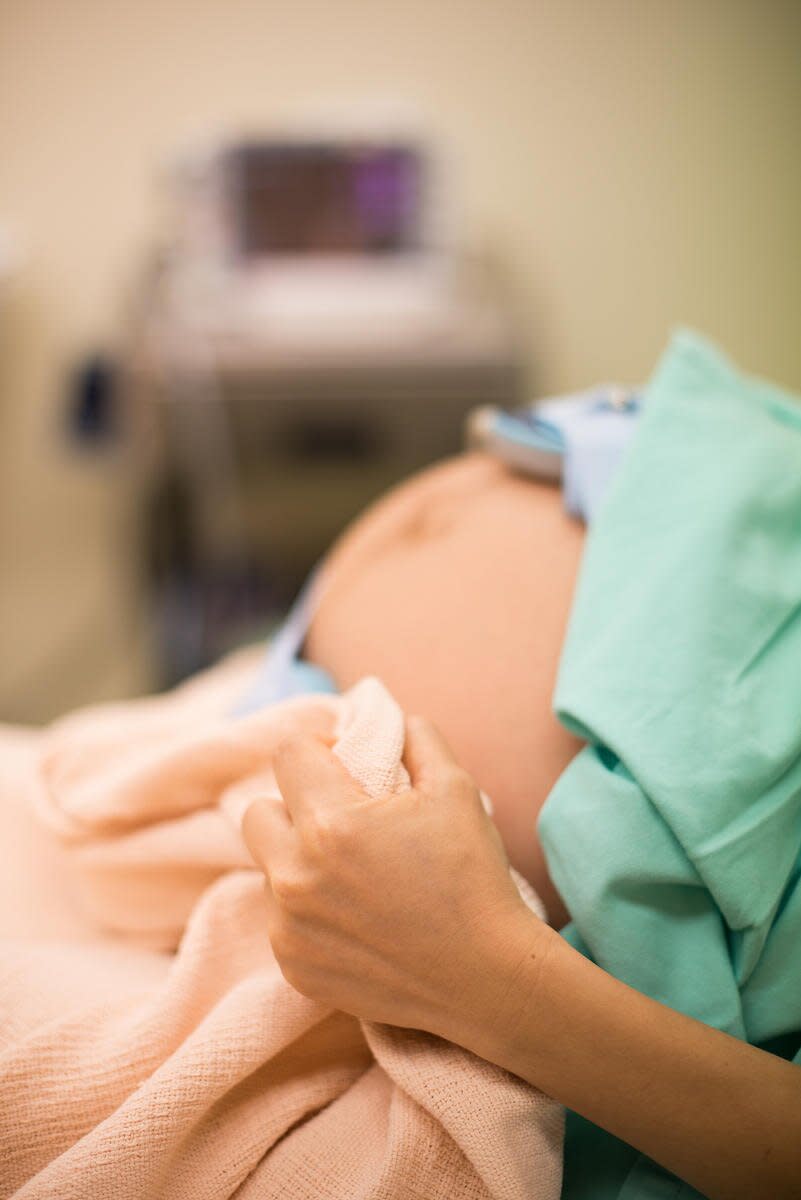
[(633, 162)]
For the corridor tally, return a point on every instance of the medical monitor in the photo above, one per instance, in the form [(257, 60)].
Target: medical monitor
[(324, 198)]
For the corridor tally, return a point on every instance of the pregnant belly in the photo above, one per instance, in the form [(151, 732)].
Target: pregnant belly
[(455, 590)]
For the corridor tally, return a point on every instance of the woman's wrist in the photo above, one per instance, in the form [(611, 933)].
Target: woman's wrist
[(502, 967)]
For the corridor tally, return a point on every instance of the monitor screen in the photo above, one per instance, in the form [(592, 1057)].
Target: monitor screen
[(320, 198)]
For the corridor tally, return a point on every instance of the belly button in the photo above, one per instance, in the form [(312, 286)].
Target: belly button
[(431, 523)]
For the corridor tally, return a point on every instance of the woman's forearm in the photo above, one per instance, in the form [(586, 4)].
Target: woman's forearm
[(721, 1114)]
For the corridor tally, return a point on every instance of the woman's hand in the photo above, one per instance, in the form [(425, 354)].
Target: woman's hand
[(399, 910), (402, 910)]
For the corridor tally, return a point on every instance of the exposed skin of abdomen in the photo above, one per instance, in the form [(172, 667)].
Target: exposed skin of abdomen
[(455, 589)]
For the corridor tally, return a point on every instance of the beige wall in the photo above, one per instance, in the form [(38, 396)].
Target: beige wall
[(637, 162)]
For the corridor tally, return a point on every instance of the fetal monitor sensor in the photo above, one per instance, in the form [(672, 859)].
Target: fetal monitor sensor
[(538, 438)]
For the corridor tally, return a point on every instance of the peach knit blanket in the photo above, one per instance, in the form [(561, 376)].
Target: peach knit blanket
[(164, 1055)]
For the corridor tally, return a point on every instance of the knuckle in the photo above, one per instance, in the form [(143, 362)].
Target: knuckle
[(330, 830), (323, 825), (289, 747), (289, 887), (458, 779)]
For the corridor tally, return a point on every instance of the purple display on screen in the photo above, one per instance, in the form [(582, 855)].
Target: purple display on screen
[(386, 191)]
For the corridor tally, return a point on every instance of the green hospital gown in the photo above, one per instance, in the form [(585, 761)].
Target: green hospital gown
[(675, 835)]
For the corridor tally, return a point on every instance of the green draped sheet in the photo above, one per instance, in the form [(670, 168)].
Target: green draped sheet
[(675, 835)]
